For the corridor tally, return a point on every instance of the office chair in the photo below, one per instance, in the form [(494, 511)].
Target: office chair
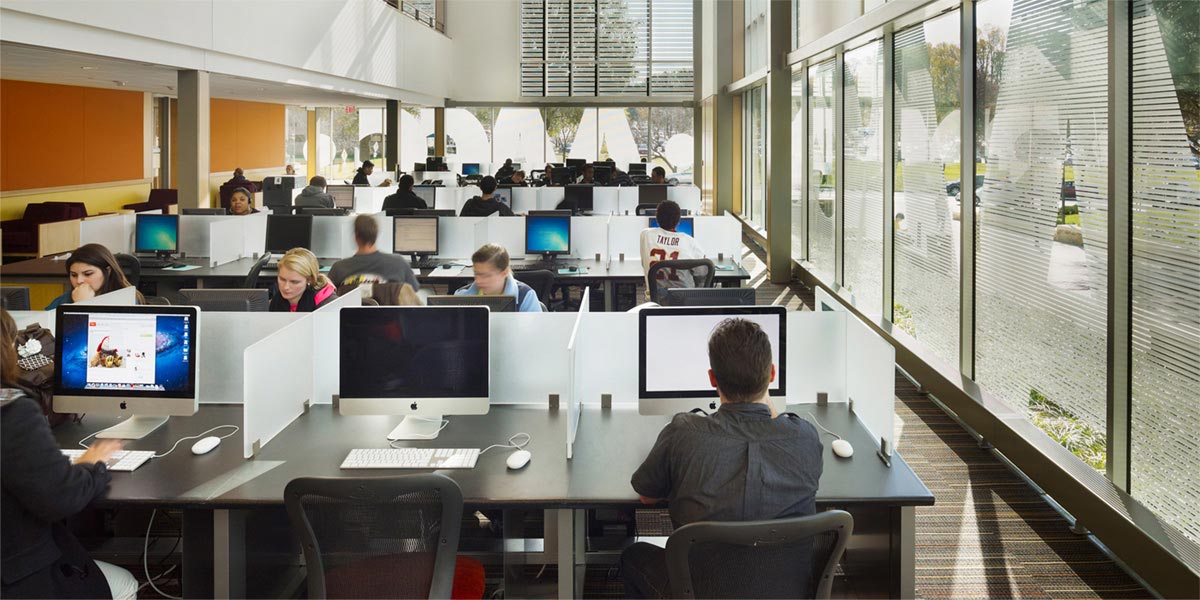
[(14, 297), (645, 210), (780, 558), (382, 537), (130, 267), (693, 273), (541, 280), (252, 277)]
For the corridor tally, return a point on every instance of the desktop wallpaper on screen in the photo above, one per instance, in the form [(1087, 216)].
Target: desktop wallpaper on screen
[(548, 234), (101, 353), (686, 225), (157, 234)]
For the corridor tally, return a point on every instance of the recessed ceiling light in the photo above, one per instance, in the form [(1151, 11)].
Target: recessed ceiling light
[(121, 83), (89, 68), (261, 89)]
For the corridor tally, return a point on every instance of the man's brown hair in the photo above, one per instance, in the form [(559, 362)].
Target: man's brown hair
[(491, 254), (739, 353), (366, 230)]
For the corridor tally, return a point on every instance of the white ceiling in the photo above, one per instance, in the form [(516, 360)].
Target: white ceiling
[(27, 63)]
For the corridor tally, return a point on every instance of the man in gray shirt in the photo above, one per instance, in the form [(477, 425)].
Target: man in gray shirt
[(742, 463), (369, 265), (314, 194)]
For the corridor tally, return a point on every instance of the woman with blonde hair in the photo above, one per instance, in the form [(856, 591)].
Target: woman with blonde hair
[(302, 286)]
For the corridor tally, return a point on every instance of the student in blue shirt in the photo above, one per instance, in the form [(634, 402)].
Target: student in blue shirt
[(494, 278), (93, 270)]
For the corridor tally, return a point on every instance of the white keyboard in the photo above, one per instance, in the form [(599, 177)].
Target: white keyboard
[(411, 458), (124, 460)]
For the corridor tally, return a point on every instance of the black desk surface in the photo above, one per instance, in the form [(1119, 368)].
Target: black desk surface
[(609, 447)]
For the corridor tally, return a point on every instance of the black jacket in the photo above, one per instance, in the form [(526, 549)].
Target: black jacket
[(404, 199), (360, 178), (478, 207), (40, 557)]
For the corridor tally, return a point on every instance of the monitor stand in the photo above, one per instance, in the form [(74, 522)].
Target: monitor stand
[(417, 428), (134, 428)]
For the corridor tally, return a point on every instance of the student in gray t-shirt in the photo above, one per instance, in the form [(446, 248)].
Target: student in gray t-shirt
[(369, 265)]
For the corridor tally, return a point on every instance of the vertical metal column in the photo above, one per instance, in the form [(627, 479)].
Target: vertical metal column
[(723, 142), (839, 168), (165, 142), (311, 166), (889, 171), (805, 159), (966, 353), (439, 131), (779, 143), (193, 152), (1120, 255), (391, 135)]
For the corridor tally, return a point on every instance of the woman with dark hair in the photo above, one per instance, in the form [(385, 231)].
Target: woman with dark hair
[(41, 489), (93, 271), (241, 202)]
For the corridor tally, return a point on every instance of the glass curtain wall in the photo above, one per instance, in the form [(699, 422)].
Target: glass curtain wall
[(295, 141), (798, 141), (754, 157), (862, 83), (822, 173)]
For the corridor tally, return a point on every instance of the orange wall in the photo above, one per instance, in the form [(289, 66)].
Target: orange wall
[(245, 134), (60, 135)]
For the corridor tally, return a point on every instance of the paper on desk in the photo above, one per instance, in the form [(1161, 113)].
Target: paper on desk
[(454, 271), (182, 268), (725, 267)]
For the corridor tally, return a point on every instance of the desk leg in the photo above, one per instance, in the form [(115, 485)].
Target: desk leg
[(198, 555), (905, 519), (609, 295), (229, 554), (571, 534)]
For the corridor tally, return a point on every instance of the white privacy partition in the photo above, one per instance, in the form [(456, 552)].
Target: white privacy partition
[(871, 379), (387, 232), (609, 354), (527, 359), (589, 237), (686, 196), (254, 226), (122, 297), (627, 200), (333, 237), (326, 327), (506, 231), (525, 199), (456, 237), (719, 235), (226, 241), (278, 384), (369, 200), (114, 232), (549, 197), (25, 318), (574, 398), (194, 231), (625, 236), (605, 200), (224, 337), (816, 356), (463, 194)]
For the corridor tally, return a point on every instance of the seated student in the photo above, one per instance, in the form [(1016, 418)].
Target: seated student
[(93, 271), (482, 206), (588, 175), (742, 463), (360, 176), (505, 171), (369, 265), (658, 175), (289, 170), (41, 490), (302, 286), (518, 178), (313, 195), (618, 177), (664, 243), (241, 202), (547, 177), (494, 278), (404, 196), (239, 178)]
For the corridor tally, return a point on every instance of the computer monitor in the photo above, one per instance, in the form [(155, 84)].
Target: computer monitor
[(415, 235), (602, 174), (561, 176), (156, 233), (470, 169), (418, 167), (285, 232), (320, 211), (203, 211), (426, 193), (686, 225), (228, 300), (422, 362), (435, 163), (548, 235), (580, 195), (550, 213), (652, 193), (645, 210), (673, 355), (136, 361), (577, 163), (435, 212), (637, 168), (503, 194), (516, 166), (731, 296), (494, 303), (343, 195), (14, 297)]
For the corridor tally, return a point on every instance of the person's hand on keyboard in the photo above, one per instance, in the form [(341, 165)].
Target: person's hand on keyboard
[(100, 451)]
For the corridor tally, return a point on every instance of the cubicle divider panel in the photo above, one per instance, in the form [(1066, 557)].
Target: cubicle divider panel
[(625, 236), (608, 346), (871, 378), (549, 197), (456, 237), (527, 359), (224, 338), (387, 233), (605, 200), (114, 231), (58, 237), (254, 227), (226, 241), (686, 196), (589, 237), (369, 200), (278, 383), (575, 393), (327, 335), (333, 237), (462, 194), (627, 200), (25, 318), (525, 199), (816, 356), (123, 297), (506, 231), (719, 236), (194, 231)]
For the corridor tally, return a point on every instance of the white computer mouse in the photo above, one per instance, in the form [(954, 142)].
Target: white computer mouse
[(205, 445), (518, 459), (842, 448)]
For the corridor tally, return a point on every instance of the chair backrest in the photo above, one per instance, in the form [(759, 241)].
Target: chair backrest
[(252, 277), (14, 297), (541, 280), (645, 210), (130, 267), (377, 537), (163, 197), (780, 558), (690, 273)]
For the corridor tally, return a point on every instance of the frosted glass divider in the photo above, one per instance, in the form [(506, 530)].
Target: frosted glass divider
[(871, 378), (226, 241), (114, 232), (333, 236), (279, 382), (525, 199), (719, 235), (25, 318), (123, 297), (608, 348), (625, 235), (385, 242), (224, 337), (686, 196), (549, 197), (194, 233), (506, 231), (574, 396), (589, 237), (605, 200), (528, 373), (627, 200), (456, 236), (816, 356), (254, 226), (326, 367)]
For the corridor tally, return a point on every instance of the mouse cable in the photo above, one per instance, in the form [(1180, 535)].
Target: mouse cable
[(512, 442), (193, 437), (94, 434), (146, 551), (818, 424)]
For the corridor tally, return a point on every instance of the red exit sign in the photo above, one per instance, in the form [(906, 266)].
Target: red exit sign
[(350, 109)]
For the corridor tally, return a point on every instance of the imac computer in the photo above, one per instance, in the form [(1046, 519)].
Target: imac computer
[(652, 193), (426, 193), (470, 169), (136, 361), (494, 303), (549, 236), (421, 362), (157, 235), (230, 299), (673, 355), (416, 236), (686, 225), (580, 196), (343, 196), (285, 232), (717, 296)]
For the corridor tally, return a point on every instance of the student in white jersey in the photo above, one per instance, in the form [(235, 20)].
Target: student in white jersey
[(664, 243)]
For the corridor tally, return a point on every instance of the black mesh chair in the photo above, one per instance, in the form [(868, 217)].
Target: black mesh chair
[(692, 273), (252, 277), (781, 558), (541, 280), (380, 537), (130, 267), (14, 297)]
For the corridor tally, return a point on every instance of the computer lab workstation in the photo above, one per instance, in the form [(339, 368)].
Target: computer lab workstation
[(547, 413)]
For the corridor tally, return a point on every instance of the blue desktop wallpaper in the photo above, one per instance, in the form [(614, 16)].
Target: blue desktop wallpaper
[(170, 370), (685, 225), (547, 234), (157, 233)]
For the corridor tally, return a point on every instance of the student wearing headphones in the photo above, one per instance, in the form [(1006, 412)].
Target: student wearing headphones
[(302, 286), (241, 202), (494, 278)]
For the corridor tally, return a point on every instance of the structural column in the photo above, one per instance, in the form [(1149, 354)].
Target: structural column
[(439, 131), (391, 136), (779, 143), (193, 133), (723, 142), (312, 166)]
